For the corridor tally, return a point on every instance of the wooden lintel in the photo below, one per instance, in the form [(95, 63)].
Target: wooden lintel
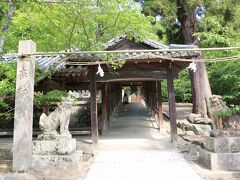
[(134, 75)]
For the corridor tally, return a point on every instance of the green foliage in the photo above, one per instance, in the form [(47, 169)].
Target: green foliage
[(52, 97), (59, 26), (7, 78), (117, 64), (7, 92), (218, 28), (229, 112), (225, 80), (7, 89), (127, 89), (182, 88), (213, 33), (165, 25)]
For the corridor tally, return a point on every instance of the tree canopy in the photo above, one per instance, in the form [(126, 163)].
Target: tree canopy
[(217, 26), (86, 25)]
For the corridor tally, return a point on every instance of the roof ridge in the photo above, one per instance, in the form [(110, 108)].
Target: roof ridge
[(152, 43)]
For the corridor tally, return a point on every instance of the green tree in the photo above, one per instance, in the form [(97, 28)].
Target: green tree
[(5, 26), (215, 22), (86, 25), (220, 29)]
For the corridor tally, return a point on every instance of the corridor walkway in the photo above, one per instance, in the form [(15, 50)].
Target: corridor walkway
[(132, 149)]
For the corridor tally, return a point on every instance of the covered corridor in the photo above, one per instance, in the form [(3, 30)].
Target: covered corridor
[(133, 148), (142, 64)]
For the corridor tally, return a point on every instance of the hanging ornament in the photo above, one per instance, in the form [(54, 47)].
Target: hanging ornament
[(192, 66), (100, 71)]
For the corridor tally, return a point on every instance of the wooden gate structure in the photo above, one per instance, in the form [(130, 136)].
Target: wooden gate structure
[(77, 71)]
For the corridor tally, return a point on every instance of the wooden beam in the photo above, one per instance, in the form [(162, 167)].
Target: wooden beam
[(133, 75), (144, 66), (94, 117), (160, 107), (104, 106), (171, 103)]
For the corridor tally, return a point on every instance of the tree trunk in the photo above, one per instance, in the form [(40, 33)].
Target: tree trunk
[(11, 9), (201, 91)]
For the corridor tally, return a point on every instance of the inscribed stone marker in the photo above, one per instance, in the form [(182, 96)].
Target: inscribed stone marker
[(23, 116)]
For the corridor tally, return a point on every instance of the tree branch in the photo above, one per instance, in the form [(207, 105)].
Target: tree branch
[(71, 32), (6, 26), (82, 20)]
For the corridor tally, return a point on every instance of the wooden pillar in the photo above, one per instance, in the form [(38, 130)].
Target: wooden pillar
[(171, 103), (146, 92), (94, 117), (149, 94), (108, 101), (152, 93), (155, 96), (104, 106), (23, 115), (160, 107)]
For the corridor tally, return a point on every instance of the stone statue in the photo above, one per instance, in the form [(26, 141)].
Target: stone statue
[(218, 106), (60, 117)]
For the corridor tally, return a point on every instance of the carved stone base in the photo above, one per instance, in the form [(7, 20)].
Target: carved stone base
[(223, 144), (57, 165), (220, 161), (56, 147), (54, 136)]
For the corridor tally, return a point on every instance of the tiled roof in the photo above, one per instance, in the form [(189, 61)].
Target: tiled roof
[(149, 42), (44, 62), (57, 62)]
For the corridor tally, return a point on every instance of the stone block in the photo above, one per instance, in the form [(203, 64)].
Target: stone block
[(220, 161), (197, 119), (234, 144), (223, 144), (57, 165), (189, 133), (191, 118), (56, 147), (202, 129), (218, 145)]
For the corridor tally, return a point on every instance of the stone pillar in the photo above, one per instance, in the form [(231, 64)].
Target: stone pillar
[(23, 116)]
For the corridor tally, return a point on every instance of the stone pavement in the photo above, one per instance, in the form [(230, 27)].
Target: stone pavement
[(133, 149)]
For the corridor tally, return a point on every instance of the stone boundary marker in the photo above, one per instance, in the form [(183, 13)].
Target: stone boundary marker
[(221, 153), (23, 115)]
